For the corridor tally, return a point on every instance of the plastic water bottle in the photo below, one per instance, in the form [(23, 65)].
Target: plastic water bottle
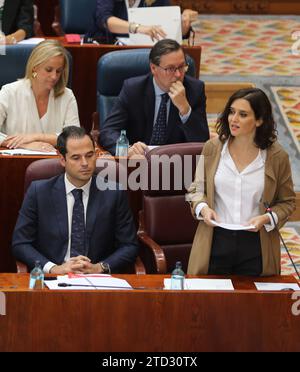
[(177, 277), (122, 144), (36, 277)]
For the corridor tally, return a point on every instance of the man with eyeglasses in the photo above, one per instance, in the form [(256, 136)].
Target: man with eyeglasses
[(162, 107)]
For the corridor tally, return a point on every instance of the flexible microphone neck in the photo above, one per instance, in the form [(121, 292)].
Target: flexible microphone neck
[(269, 210)]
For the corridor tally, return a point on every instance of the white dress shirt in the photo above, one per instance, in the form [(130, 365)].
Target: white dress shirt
[(19, 113), (70, 203), (238, 194)]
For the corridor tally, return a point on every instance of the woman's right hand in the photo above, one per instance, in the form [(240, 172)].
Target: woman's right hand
[(18, 140), (209, 214), (155, 32)]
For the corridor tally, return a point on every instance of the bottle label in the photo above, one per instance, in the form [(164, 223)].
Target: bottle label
[(32, 283), (177, 282), (122, 150), (36, 283)]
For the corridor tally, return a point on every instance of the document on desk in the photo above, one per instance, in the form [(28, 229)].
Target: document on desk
[(26, 152), (90, 282), (204, 284), (32, 41), (231, 226), (276, 286)]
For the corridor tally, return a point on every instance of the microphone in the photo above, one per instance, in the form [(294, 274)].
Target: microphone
[(269, 210)]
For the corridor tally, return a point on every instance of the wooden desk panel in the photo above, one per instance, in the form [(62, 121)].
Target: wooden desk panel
[(148, 320), (46, 13)]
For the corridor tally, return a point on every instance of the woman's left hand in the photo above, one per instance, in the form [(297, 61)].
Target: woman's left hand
[(187, 17), (258, 222), (39, 146)]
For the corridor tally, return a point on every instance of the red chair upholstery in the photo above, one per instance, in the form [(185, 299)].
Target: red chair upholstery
[(167, 228), (47, 168)]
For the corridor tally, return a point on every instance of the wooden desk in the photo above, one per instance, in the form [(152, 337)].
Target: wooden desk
[(148, 320), (84, 77)]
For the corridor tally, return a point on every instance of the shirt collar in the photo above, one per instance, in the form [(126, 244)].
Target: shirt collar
[(260, 159), (70, 187), (157, 90)]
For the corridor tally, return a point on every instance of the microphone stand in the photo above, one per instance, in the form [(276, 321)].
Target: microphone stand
[(269, 210)]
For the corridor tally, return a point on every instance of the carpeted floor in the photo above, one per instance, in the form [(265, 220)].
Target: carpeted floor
[(259, 49)]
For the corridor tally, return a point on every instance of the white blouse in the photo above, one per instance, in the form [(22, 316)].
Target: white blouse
[(238, 194), (19, 113)]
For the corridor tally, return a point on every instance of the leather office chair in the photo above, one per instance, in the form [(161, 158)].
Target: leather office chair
[(75, 17), (114, 67), (167, 228), (47, 168), (13, 63)]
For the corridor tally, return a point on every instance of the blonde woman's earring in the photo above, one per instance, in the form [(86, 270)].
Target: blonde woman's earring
[(34, 74)]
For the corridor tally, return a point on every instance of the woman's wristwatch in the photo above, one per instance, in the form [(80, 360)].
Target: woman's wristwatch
[(133, 27)]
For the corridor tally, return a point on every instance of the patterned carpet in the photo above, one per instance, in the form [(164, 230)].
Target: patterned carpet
[(244, 46), (288, 101), (259, 49), (292, 241)]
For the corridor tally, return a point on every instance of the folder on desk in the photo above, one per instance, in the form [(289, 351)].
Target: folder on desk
[(204, 284), (88, 282), (168, 17)]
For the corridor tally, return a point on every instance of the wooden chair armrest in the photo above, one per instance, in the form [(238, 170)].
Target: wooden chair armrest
[(139, 267), (21, 267), (156, 251)]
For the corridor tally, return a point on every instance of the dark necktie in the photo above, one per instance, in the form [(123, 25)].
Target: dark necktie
[(78, 226), (159, 133)]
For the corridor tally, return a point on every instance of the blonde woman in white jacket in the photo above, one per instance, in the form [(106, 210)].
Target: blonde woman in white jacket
[(34, 110)]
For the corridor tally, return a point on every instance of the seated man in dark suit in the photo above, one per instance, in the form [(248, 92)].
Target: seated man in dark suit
[(68, 224), (159, 108)]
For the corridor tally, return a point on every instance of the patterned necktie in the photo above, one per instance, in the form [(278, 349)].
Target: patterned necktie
[(159, 133), (78, 226)]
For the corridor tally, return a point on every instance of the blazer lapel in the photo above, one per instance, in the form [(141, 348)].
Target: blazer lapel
[(211, 164), (60, 203), (270, 178), (92, 209), (149, 107)]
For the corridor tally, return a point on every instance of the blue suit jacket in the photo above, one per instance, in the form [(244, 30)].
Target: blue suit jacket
[(109, 8), (41, 232), (134, 111)]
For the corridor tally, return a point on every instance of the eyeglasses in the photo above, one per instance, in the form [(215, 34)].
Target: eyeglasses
[(172, 69)]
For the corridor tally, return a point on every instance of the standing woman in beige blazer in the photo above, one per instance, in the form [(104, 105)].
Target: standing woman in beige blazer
[(243, 168), (34, 110)]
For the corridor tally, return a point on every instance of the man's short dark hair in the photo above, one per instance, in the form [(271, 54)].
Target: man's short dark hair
[(162, 47), (70, 132)]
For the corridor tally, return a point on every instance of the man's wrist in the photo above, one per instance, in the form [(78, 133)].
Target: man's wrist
[(185, 110), (104, 267)]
